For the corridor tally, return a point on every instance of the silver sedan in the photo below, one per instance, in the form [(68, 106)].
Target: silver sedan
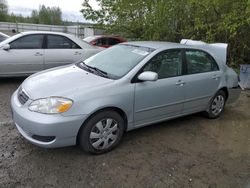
[(131, 85), (30, 52)]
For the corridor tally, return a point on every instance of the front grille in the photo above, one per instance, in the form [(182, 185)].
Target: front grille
[(22, 96)]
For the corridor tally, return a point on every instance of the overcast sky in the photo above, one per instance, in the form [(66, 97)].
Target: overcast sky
[(70, 8)]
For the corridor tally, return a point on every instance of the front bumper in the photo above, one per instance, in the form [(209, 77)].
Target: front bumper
[(61, 130), (233, 94)]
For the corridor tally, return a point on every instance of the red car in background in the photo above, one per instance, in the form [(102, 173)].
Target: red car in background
[(104, 41)]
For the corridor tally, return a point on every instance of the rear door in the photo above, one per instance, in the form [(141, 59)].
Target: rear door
[(202, 80), (25, 56), (60, 50), (159, 100)]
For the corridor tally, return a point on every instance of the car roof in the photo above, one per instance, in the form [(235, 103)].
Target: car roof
[(218, 51), (108, 36), (45, 32), (156, 44), (70, 36)]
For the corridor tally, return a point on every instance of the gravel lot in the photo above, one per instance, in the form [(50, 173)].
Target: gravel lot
[(188, 152)]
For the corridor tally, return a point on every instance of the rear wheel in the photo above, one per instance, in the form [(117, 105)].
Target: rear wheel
[(102, 132), (217, 105)]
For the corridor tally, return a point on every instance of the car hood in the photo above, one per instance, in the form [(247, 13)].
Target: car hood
[(61, 81)]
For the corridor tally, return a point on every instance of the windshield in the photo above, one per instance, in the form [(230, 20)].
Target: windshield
[(118, 60)]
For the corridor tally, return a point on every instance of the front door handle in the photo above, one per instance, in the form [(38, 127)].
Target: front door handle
[(180, 83)]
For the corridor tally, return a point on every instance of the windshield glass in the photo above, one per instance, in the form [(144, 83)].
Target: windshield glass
[(118, 60)]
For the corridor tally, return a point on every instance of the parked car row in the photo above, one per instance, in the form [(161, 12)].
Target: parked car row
[(94, 101)]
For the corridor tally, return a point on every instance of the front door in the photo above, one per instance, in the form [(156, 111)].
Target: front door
[(25, 56), (162, 99)]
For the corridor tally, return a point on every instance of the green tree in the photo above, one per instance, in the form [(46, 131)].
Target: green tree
[(3, 10), (56, 15), (35, 16), (44, 15), (47, 15), (170, 20)]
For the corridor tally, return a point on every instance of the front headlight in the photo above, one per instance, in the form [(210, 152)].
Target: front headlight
[(51, 105)]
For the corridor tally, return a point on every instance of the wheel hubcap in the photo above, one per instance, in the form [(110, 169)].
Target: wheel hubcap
[(104, 133), (218, 105)]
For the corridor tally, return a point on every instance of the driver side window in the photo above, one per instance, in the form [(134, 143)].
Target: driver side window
[(28, 42), (166, 64)]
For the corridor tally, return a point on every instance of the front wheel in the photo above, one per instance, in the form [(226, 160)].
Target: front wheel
[(217, 105), (102, 132)]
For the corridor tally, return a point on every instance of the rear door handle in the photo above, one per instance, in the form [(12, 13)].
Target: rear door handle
[(38, 54), (180, 83), (215, 77), (77, 53)]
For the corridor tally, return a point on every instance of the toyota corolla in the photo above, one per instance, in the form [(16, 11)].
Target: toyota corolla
[(94, 102)]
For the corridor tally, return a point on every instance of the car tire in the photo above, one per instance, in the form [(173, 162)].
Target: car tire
[(102, 132), (216, 106)]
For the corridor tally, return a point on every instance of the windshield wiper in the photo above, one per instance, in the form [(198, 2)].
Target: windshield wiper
[(99, 71), (86, 67), (90, 69)]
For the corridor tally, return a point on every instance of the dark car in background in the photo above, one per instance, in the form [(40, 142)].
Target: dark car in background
[(104, 40)]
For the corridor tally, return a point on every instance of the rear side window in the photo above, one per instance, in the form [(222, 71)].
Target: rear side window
[(113, 41), (101, 41), (28, 42), (199, 62), (166, 64), (60, 42)]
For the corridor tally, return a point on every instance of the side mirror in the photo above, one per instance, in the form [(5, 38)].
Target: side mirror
[(6, 47), (148, 76)]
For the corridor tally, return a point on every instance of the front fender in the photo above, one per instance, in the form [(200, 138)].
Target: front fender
[(121, 97)]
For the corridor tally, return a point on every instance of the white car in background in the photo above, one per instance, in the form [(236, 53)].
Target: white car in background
[(30, 52), (3, 36)]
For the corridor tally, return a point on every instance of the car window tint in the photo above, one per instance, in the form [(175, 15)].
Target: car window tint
[(199, 62), (60, 42), (2, 38), (101, 41), (28, 42), (166, 64), (113, 41)]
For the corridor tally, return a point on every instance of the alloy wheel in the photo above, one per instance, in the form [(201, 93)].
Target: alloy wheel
[(104, 134), (218, 105)]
